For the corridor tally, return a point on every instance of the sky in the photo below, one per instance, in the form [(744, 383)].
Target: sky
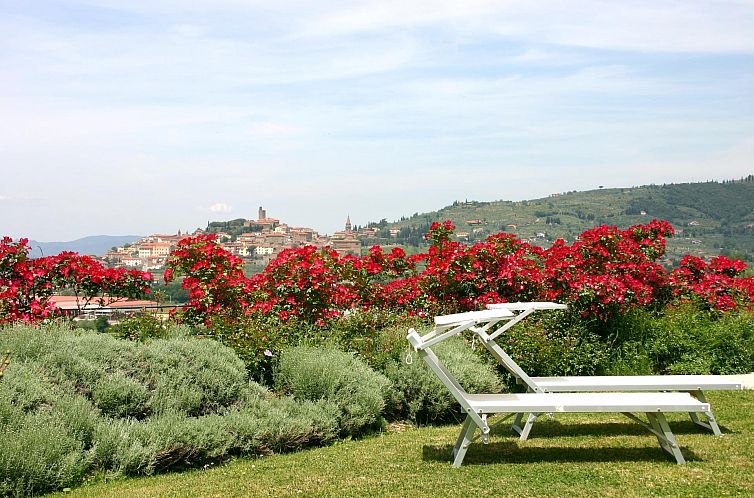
[(150, 116)]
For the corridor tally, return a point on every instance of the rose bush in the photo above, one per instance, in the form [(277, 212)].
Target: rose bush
[(714, 285), (457, 277), (607, 270), (604, 272), (217, 288), (24, 293), (26, 284)]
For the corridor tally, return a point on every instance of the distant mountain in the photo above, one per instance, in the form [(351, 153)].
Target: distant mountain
[(95, 245), (710, 218)]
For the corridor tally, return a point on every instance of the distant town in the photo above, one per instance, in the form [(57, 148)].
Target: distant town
[(258, 241)]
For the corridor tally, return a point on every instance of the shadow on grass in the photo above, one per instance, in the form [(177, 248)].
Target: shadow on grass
[(545, 427), (509, 452)]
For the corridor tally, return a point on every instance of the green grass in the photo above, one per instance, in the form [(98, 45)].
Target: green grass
[(572, 455)]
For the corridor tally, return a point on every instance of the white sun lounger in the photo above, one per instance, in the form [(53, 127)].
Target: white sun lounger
[(484, 328), (479, 406)]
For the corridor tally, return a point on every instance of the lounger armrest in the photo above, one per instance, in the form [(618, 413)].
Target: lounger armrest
[(415, 339)]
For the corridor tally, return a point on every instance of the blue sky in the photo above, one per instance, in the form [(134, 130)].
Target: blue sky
[(134, 117)]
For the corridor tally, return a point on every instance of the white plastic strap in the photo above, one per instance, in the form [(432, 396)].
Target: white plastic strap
[(409, 358)]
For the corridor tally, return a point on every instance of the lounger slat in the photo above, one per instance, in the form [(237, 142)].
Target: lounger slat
[(637, 383), (578, 403), (459, 318)]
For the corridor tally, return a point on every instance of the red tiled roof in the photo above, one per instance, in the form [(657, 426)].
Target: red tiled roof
[(73, 302)]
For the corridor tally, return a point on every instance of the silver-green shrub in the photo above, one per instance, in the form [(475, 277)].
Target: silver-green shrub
[(120, 396), (39, 453), (275, 424), (126, 378), (314, 374), (75, 402), (26, 387), (193, 375), (261, 425), (420, 396), (47, 429)]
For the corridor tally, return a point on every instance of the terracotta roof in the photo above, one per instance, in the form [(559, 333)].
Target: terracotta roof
[(72, 303)]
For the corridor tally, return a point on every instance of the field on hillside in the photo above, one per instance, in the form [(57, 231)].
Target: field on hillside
[(709, 218)]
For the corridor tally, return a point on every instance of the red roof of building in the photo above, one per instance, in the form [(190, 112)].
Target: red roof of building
[(73, 303)]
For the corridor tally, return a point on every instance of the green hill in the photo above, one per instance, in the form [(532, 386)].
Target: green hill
[(710, 218)]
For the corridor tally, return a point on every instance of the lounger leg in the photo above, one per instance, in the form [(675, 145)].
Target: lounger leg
[(665, 436), (464, 441), (516, 427), (711, 423), (524, 432)]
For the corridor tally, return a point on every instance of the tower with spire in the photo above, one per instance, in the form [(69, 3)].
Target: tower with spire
[(345, 241)]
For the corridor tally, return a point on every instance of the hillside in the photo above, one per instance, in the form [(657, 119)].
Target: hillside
[(95, 245), (710, 218)]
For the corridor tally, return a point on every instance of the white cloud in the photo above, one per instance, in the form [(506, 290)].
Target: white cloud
[(20, 199), (644, 25), (218, 208), (267, 129)]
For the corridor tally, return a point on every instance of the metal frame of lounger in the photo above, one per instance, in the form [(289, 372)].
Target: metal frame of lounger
[(479, 406), (692, 384)]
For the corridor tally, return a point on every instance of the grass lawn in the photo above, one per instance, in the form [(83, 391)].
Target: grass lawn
[(572, 455)]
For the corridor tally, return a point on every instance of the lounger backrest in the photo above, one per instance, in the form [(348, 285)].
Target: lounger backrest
[(434, 363), (482, 323), (458, 318)]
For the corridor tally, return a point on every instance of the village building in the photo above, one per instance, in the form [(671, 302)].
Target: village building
[(107, 306), (131, 262), (345, 242), (301, 236), (145, 250), (161, 249), (234, 248)]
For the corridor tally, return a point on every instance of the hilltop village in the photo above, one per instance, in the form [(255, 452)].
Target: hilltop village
[(259, 241)]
